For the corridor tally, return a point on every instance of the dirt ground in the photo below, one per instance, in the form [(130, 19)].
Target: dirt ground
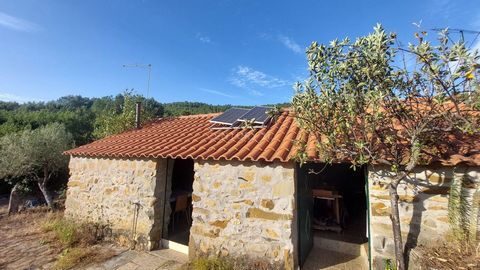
[(450, 256), (22, 241), (24, 245)]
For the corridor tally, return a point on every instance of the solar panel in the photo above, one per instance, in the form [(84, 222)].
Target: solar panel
[(230, 116), (259, 114)]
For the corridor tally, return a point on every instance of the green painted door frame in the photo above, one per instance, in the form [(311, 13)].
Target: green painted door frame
[(304, 202), (304, 205), (367, 194)]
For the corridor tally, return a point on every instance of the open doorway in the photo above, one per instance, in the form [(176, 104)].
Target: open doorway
[(339, 201), (180, 200), (332, 214)]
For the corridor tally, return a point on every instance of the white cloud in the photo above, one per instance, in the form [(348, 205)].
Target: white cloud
[(203, 38), (14, 23), (215, 92), (251, 80), (290, 44), (246, 77), (15, 98)]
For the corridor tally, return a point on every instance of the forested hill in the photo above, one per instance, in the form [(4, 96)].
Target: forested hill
[(85, 117), (189, 108)]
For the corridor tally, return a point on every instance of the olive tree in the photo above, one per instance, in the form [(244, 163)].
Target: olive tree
[(120, 115), (372, 101), (34, 155)]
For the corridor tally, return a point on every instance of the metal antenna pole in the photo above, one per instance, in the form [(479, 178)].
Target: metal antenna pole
[(462, 33), (149, 69), (148, 82)]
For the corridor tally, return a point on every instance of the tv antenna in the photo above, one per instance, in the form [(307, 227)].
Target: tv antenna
[(148, 67), (462, 33)]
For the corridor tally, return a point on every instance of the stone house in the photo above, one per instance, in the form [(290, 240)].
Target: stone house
[(247, 198)]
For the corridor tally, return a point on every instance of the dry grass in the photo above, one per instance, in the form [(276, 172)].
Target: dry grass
[(210, 264), (78, 256), (227, 263), (69, 234), (79, 242), (23, 245), (71, 257), (450, 255), (42, 239)]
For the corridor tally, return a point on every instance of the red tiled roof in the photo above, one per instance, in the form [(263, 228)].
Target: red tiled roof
[(192, 137)]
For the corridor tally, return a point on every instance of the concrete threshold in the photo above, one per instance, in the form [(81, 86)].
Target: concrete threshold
[(341, 246), (175, 246)]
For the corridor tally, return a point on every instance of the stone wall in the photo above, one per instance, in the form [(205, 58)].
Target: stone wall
[(114, 192), (244, 210), (423, 209)]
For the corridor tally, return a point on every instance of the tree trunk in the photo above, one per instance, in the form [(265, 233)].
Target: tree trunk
[(13, 202), (397, 233), (46, 193)]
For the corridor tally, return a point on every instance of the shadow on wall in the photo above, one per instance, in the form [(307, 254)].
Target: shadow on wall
[(425, 183), (411, 241)]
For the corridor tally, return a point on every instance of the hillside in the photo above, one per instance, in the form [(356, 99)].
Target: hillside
[(80, 114)]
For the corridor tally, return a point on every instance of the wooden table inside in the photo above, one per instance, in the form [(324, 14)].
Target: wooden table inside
[(329, 195)]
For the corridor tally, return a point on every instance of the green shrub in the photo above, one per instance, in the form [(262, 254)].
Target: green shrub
[(76, 240), (65, 231), (69, 233), (230, 263), (463, 205), (211, 264), (389, 265)]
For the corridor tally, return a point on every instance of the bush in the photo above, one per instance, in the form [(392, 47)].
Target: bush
[(390, 265), (211, 264), (230, 263), (78, 241), (66, 232), (69, 233)]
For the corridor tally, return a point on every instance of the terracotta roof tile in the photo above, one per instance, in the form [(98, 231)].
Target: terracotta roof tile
[(193, 137)]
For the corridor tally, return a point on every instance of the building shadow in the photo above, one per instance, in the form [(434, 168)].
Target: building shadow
[(411, 241), (326, 259), (428, 190)]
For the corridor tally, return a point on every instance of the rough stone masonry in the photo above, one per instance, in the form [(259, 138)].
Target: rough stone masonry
[(423, 207), (244, 210), (240, 209), (124, 194)]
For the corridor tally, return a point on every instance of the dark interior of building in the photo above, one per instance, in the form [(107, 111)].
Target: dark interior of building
[(181, 201), (339, 203)]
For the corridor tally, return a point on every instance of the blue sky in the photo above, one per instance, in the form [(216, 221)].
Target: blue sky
[(224, 51)]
